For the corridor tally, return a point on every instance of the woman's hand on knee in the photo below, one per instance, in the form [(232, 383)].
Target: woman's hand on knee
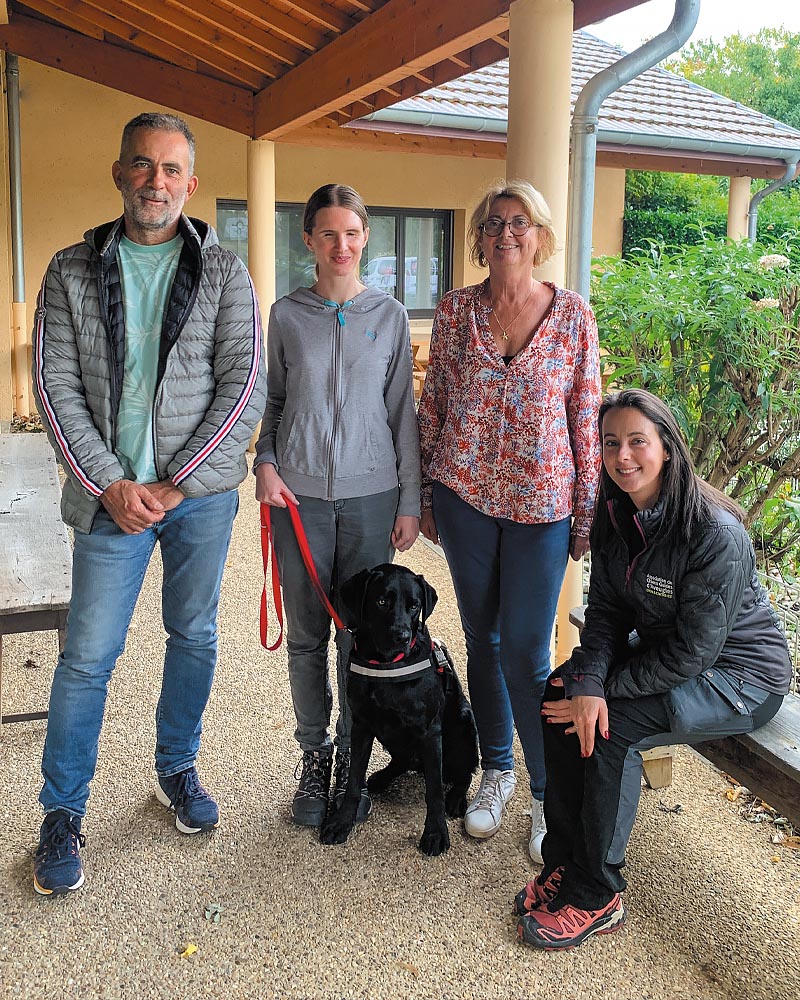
[(591, 716), (583, 714)]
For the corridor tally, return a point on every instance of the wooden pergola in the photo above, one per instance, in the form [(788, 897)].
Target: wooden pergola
[(291, 70)]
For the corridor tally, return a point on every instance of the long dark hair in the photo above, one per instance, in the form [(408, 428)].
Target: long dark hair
[(685, 498)]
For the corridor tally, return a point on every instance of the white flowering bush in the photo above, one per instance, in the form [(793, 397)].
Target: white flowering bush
[(714, 330)]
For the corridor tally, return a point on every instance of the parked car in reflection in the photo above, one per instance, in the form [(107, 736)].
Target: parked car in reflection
[(381, 272)]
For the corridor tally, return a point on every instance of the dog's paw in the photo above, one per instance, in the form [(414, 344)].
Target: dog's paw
[(333, 832), (434, 842), (455, 803)]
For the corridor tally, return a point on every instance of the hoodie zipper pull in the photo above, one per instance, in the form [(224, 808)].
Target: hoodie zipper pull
[(339, 309)]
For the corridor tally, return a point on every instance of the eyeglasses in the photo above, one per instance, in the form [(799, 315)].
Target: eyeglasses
[(519, 225)]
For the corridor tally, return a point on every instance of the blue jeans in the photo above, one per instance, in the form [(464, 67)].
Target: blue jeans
[(507, 577), (107, 574), (345, 537)]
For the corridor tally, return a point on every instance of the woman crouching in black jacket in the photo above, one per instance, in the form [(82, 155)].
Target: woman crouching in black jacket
[(672, 562)]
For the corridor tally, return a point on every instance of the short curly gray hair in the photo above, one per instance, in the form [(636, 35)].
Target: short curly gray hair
[(536, 209)]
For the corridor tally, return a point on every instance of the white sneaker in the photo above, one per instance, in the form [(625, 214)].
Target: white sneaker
[(538, 830), (485, 813)]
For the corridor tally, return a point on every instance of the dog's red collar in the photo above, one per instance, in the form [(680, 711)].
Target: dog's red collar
[(396, 659)]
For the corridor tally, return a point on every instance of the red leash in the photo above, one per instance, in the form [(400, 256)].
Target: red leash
[(267, 552)]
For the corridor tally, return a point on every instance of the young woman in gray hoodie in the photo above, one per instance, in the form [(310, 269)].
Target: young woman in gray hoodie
[(339, 440)]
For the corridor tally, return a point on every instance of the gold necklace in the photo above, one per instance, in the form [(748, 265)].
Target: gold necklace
[(504, 329)]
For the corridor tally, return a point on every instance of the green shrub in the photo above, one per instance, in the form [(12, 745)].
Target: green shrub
[(713, 330)]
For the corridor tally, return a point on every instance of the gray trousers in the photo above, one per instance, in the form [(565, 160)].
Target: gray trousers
[(757, 707), (345, 537)]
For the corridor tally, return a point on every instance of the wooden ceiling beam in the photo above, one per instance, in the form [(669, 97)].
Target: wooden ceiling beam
[(363, 61), (295, 31), (130, 73), (192, 37), (329, 136), (75, 13), (476, 57), (69, 16), (325, 14), (228, 27)]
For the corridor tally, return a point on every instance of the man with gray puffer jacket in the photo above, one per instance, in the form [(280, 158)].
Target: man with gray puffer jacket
[(149, 377)]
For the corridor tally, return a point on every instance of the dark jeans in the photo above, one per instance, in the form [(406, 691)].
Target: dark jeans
[(590, 803), (345, 537), (507, 577)]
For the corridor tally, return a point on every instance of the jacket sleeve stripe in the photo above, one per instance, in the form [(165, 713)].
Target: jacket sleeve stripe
[(241, 404), (50, 413)]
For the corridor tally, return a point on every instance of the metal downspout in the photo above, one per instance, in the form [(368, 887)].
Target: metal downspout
[(21, 361), (759, 196), (585, 120)]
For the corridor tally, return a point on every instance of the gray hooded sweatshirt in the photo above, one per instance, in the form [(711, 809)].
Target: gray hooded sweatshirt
[(340, 419)]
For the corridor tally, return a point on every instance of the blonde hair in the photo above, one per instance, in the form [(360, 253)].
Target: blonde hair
[(536, 209)]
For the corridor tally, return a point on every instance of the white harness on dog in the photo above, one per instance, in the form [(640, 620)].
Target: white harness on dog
[(403, 667)]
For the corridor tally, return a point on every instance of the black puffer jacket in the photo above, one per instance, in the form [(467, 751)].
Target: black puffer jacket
[(691, 606)]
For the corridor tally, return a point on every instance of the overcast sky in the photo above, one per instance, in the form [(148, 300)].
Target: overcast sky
[(718, 19)]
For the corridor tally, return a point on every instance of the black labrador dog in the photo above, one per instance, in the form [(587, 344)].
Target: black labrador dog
[(404, 692)]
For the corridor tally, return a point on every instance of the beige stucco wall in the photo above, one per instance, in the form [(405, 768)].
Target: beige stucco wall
[(70, 137)]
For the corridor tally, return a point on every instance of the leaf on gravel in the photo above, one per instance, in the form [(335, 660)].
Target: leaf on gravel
[(213, 912), (408, 968), (775, 859), (189, 950), (793, 843), (732, 794)]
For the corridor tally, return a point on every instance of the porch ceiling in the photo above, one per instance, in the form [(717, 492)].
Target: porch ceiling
[(266, 68)]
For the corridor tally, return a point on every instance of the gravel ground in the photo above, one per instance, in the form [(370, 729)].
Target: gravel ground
[(713, 908)]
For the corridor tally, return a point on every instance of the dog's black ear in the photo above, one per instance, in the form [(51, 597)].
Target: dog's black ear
[(351, 597), (429, 598)]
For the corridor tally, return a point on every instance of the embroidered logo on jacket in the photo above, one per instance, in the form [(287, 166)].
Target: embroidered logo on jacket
[(371, 334), (658, 586)]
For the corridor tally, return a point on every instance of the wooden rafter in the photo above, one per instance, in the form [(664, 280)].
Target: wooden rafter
[(195, 36), (75, 14), (324, 14), (484, 54), (130, 73), (296, 32), (360, 62)]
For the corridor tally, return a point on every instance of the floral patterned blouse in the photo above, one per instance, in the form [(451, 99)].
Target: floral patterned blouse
[(516, 441)]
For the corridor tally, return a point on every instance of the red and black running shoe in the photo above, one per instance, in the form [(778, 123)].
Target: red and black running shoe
[(538, 892), (567, 926)]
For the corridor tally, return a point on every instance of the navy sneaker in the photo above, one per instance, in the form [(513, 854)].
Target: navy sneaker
[(310, 802), (57, 867), (341, 774), (195, 810)]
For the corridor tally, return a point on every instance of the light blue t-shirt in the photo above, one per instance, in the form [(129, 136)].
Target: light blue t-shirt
[(147, 273)]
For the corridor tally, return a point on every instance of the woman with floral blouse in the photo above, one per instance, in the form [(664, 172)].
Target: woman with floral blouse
[(510, 462)]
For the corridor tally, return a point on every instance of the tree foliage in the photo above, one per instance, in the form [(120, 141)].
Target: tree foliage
[(761, 71), (714, 330)]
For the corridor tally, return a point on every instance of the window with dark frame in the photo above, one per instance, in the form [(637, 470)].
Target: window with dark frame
[(420, 238)]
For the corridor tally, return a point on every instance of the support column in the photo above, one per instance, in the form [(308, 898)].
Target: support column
[(261, 229), (261, 220), (738, 207), (539, 110), (540, 69)]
